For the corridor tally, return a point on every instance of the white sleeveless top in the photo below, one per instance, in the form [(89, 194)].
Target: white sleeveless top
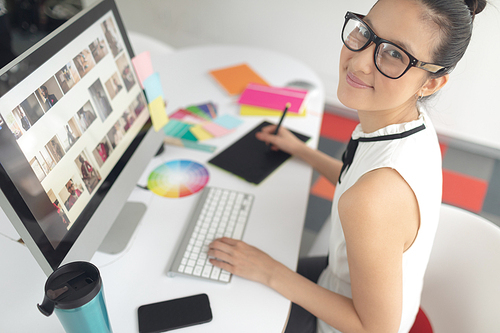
[(412, 150)]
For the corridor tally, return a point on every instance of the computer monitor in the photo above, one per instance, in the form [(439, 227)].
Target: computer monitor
[(75, 136)]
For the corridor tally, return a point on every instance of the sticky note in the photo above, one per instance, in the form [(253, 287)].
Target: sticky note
[(176, 128), (274, 98), (143, 66), (215, 129), (152, 87), (200, 133), (228, 121), (235, 79), (158, 115)]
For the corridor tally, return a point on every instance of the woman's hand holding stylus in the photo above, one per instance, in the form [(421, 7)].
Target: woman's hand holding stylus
[(284, 140)]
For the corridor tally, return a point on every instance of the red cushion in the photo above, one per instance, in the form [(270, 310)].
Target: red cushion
[(422, 324)]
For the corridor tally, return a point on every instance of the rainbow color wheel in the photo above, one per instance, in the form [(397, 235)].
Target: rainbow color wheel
[(176, 179)]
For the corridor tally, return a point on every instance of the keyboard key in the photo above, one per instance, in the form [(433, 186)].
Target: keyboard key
[(238, 231), (206, 271), (197, 270), (215, 273), (224, 276)]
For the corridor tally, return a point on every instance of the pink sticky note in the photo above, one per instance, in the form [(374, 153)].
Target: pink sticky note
[(143, 66), (215, 129), (273, 97)]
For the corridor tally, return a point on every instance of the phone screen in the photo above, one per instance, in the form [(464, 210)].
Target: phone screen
[(176, 313)]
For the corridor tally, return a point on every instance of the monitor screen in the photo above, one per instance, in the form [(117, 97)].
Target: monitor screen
[(69, 126)]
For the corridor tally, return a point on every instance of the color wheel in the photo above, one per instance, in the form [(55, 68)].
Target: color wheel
[(176, 179)]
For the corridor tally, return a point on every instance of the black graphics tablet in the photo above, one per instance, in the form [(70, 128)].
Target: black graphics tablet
[(250, 158)]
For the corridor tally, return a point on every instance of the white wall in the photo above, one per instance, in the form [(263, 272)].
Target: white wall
[(309, 30)]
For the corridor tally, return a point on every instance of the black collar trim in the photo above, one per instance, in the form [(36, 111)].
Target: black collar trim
[(392, 136), (348, 155)]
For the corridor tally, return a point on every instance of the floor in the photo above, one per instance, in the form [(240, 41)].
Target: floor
[(471, 179)]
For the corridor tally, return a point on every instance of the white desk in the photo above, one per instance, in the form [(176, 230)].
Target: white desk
[(138, 275)]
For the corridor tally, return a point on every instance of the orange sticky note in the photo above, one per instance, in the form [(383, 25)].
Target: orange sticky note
[(158, 114), (235, 79)]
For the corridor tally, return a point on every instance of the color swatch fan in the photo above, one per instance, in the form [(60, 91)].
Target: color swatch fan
[(176, 179)]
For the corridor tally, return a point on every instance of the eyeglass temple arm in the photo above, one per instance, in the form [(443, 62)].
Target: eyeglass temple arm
[(429, 67)]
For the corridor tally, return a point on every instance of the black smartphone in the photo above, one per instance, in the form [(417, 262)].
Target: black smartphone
[(175, 313)]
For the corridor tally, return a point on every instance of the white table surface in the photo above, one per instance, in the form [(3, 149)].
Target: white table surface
[(138, 276)]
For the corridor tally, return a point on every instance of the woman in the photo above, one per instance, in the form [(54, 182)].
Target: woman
[(386, 205)]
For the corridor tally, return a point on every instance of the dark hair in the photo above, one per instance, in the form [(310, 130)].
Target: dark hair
[(454, 19)]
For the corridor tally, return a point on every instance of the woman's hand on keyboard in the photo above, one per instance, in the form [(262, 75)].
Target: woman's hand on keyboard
[(239, 258)]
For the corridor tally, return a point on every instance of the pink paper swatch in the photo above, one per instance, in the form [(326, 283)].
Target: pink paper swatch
[(215, 129)]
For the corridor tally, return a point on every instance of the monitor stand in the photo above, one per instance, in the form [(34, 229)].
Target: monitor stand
[(122, 230)]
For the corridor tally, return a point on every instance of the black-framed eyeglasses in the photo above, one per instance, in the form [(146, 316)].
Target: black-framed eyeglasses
[(390, 59)]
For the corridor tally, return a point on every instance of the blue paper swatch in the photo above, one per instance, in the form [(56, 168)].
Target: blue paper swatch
[(228, 121)]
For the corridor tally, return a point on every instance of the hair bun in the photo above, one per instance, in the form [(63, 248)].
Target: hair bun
[(475, 6)]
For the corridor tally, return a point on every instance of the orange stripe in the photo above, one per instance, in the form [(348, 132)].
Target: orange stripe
[(464, 191), (323, 188), (337, 128)]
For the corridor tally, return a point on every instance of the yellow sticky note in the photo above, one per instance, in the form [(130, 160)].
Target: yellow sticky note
[(200, 133), (158, 114)]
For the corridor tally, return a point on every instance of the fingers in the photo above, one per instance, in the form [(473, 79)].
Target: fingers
[(224, 243), (269, 138), (266, 133), (269, 129), (229, 241), (222, 264), (218, 256), (241, 259), (263, 136), (222, 248)]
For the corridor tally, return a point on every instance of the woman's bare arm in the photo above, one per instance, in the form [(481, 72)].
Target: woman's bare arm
[(379, 223)]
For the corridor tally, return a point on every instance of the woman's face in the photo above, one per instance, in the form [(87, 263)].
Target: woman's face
[(361, 85)]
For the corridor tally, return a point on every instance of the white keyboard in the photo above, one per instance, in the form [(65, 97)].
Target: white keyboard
[(219, 213)]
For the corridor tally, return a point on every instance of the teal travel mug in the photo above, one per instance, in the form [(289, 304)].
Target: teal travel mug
[(74, 292)]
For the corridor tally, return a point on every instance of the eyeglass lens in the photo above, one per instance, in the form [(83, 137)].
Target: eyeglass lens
[(390, 59)]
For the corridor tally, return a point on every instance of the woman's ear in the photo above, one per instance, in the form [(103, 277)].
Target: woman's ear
[(433, 85)]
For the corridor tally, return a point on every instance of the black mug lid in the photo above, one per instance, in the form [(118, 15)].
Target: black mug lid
[(71, 286)]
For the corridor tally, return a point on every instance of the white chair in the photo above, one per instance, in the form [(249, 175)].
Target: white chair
[(461, 290), (320, 245)]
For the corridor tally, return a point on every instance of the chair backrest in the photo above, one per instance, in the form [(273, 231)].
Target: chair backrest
[(461, 290)]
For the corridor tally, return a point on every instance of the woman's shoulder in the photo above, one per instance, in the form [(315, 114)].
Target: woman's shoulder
[(379, 199)]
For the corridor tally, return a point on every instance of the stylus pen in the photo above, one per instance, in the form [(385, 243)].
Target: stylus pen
[(287, 106)]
